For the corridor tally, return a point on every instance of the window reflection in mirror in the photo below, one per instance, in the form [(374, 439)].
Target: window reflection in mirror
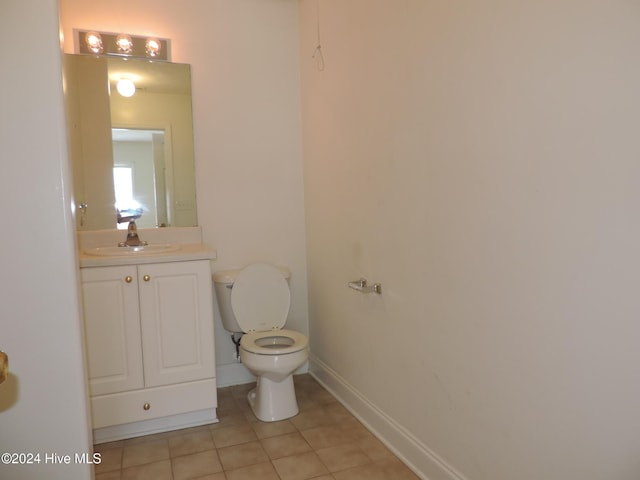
[(147, 138)]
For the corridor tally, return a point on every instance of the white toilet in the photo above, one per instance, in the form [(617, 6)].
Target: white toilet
[(255, 300)]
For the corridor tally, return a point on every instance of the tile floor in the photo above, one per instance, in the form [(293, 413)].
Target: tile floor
[(324, 442)]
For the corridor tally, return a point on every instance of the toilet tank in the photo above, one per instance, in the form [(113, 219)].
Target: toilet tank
[(223, 284)]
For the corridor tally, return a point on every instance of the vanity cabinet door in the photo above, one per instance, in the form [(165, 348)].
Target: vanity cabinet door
[(176, 313), (112, 329)]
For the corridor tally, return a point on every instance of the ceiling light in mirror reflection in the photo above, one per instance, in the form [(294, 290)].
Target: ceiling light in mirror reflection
[(126, 87)]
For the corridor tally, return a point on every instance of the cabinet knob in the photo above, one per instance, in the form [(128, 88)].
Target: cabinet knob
[(128, 279), (146, 278), (146, 406)]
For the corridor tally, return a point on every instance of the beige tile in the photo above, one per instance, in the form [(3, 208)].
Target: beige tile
[(224, 393), (300, 467), (390, 469), (374, 448), (366, 472), (311, 394), (308, 385), (147, 438), (285, 445), (116, 475), (320, 395), (329, 436), (238, 456), (396, 469), (353, 425), (306, 402), (214, 476), (228, 402), (187, 431), (156, 470), (248, 414), (196, 465), (306, 382), (110, 460), (229, 419), (106, 446), (314, 417), (272, 429), (261, 471), (338, 413), (348, 430), (147, 452), (196, 441), (241, 391), (342, 457), (234, 435)]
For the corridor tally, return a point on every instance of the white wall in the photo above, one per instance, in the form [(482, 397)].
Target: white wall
[(43, 405), (480, 160), (246, 106)]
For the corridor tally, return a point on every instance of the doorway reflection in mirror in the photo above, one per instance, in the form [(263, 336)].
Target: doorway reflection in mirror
[(139, 175)]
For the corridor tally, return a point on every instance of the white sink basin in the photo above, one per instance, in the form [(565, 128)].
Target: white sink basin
[(124, 251)]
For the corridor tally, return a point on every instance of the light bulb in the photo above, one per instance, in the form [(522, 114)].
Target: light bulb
[(126, 87), (153, 47), (93, 41), (124, 44)]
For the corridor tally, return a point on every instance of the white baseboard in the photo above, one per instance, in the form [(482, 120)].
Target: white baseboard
[(417, 456), (158, 425)]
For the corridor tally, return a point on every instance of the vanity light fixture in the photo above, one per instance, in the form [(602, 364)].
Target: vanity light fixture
[(126, 87), (122, 45)]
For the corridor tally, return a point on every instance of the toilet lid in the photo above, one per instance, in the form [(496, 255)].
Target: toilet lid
[(260, 298)]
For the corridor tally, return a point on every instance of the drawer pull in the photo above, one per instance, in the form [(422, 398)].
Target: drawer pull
[(146, 278), (146, 406), (128, 279)]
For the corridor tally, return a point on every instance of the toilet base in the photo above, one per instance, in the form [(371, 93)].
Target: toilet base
[(272, 401)]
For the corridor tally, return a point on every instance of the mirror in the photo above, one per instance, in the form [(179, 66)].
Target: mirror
[(131, 156)]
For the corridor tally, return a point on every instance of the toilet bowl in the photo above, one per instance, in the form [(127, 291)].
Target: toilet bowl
[(255, 301)]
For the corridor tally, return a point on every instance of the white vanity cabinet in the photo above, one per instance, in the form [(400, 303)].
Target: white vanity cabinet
[(150, 344)]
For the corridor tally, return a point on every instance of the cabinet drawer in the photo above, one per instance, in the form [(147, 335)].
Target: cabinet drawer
[(126, 407)]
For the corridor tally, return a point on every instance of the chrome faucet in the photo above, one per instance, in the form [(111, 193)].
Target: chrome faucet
[(132, 236)]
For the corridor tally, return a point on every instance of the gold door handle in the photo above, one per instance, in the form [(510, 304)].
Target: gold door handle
[(146, 278), (128, 279), (4, 366)]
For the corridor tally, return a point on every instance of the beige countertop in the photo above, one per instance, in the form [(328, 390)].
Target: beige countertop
[(184, 252), (187, 243)]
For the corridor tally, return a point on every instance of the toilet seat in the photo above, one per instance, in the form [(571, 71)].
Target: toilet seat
[(260, 298), (274, 342)]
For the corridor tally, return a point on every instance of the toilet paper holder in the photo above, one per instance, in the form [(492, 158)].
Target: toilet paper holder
[(362, 286)]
